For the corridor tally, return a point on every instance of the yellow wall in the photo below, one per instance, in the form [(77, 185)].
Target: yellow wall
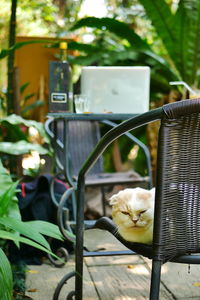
[(32, 61)]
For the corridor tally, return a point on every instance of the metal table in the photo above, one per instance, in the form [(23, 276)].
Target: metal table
[(90, 116)]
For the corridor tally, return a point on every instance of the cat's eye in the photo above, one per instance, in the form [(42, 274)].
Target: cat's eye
[(143, 211), (125, 212)]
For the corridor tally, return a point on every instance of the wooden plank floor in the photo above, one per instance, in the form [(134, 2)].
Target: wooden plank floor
[(114, 278)]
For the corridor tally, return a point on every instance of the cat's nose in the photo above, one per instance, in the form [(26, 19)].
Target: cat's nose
[(134, 220)]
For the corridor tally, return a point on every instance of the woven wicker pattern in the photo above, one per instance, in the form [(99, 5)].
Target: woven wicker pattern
[(177, 223), (85, 134)]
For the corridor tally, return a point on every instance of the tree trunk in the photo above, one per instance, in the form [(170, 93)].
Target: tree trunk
[(14, 163), (16, 90), (12, 29)]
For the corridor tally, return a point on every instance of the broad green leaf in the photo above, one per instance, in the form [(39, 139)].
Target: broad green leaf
[(163, 20), (21, 147), (5, 179), (6, 52), (17, 120), (6, 279), (122, 54), (25, 229), (29, 96), (86, 59), (179, 33), (35, 104), (23, 87), (8, 199), (83, 47), (119, 28), (14, 133), (161, 81), (47, 229), (129, 55), (11, 236), (13, 210), (187, 21)]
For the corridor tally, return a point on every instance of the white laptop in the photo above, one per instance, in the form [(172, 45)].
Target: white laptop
[(116, 89)]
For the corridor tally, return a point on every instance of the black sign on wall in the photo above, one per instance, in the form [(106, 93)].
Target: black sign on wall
[(59, 83)]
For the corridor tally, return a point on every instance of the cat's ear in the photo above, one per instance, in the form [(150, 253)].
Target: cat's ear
[(144, 195), (113, 200), (153, 191)]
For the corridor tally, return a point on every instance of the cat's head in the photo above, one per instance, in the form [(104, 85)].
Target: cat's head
[(133, 208)]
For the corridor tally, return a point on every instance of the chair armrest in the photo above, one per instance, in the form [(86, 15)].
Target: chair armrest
[(55, 141), (50, 133), (63, 217), (104, 223)]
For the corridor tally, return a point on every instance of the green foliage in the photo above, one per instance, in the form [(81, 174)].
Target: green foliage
[(6, 281), (179, 32), (16, 120), (12, 228), (15, 137), (26, 108), (121, 29), (117, 44), (48, 16), (19, 270), (6, 52), (8, 200), (21, 147)]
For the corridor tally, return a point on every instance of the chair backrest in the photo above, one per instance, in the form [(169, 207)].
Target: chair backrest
[(177, 221), (82, 138), (73, 141)]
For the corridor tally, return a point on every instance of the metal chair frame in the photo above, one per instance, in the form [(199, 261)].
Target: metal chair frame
[(63, 165), (182, 116)]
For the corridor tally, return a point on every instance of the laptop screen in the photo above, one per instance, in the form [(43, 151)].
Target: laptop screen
[(116, 89)]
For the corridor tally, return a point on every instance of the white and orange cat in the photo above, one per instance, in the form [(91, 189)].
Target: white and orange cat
[(132, 212)]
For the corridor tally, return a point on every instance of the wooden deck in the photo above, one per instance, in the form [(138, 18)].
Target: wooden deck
[(116, 277)]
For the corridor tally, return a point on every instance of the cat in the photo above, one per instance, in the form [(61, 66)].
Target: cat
[(132, 212)]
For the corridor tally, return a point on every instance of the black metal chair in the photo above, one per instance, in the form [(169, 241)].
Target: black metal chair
[(73, 140), (176, 235)]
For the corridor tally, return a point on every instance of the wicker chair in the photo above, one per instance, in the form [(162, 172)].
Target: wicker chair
[(176, 235)]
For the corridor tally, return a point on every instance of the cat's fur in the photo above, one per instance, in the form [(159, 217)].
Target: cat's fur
[(132, 212)]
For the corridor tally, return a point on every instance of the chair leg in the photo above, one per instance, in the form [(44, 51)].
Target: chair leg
[(79, 272), (79, 245), (74, 206), (155, 280)]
